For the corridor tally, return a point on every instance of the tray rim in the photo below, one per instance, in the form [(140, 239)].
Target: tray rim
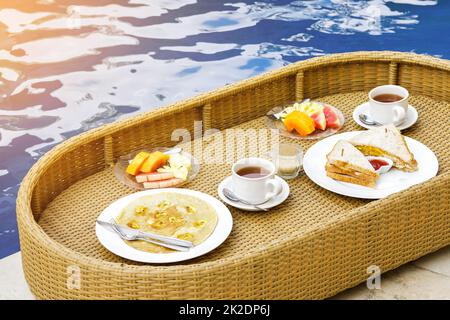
[(26, 217)]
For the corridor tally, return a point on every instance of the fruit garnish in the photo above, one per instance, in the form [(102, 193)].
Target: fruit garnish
[(154, 161), (288, 125), (167, 183), (331, 118), (178, 165), (315, 111), (159, 170), (300, 122), (135, 166), (319, 119)]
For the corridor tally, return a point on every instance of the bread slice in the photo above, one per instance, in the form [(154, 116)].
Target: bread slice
[(349, 179), (346, 163), (386, 141), (352, 172)]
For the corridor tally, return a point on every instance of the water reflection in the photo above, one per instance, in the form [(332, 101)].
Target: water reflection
[(67, 66)]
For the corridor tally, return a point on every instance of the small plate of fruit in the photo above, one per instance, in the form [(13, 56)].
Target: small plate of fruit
[(306, 120), (156, 168)]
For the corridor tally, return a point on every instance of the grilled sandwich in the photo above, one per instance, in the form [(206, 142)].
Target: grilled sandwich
[(347, 164), (386, 141)]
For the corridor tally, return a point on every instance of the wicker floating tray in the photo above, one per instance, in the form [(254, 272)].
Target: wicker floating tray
[(314, 245)]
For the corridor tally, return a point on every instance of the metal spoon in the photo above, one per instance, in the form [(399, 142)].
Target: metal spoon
[(367, 120), (231, 196)]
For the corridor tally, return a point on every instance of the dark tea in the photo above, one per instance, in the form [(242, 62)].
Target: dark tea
[(252, 172), (387, 97)]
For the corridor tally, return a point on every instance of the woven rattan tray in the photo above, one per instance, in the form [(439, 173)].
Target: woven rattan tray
[(314, 245)]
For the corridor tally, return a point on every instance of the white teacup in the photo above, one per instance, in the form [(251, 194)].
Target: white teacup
[(386, 112), (258, 188)]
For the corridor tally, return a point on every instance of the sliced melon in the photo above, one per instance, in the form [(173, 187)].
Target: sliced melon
[(320, 121), (331, 118), (315, 111)]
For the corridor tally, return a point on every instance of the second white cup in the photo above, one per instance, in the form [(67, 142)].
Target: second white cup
[(253, 180), (388, 104)]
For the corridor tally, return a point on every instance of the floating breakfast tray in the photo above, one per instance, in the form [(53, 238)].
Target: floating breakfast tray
[(314, 245)]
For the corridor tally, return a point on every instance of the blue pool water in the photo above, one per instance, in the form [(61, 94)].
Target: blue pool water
[(67, 66)]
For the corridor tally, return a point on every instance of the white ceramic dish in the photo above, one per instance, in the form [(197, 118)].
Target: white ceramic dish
[(130, 181), (317, 134), (388, 183), (410, 119), (382, 169), (116, 245)]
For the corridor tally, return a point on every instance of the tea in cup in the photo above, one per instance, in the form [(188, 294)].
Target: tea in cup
[(253, 180), (388, 104)]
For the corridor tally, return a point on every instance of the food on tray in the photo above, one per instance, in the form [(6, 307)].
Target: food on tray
[(154, 161), (300, 122), (386, 141), (169, 214), (154, 176), (362, 158), (159, 170), (307, 116), (331, 118), (380, 164), (315, 111), (163, 183), (135, 165), (348, 164), (178, 165)]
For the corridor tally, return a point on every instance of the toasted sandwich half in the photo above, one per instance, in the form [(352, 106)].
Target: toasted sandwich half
[(386, 141), (348, 164)]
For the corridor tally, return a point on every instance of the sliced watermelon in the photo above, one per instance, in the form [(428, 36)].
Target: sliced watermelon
[(331, 118), (315, 111), (320, 121)]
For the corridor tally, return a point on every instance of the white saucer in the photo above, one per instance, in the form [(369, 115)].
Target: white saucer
[(280, 198), (411, 116)]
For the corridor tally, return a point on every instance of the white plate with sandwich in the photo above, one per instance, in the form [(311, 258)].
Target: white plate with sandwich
[(340, 163)]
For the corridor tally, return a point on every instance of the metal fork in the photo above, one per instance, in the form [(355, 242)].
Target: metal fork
[(130, 237)]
